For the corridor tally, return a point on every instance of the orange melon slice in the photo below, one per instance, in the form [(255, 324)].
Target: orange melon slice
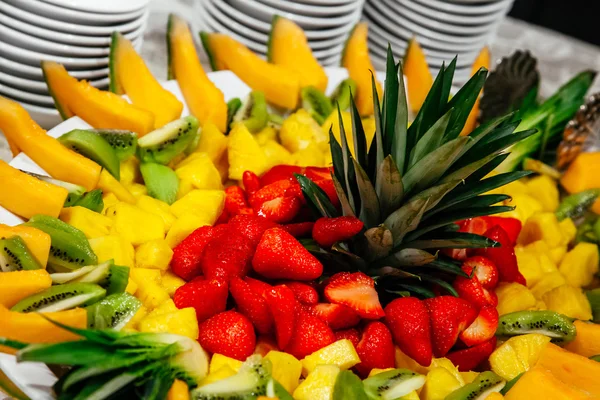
[(17, 285), (482, 61), (418, 77), (37, 241)]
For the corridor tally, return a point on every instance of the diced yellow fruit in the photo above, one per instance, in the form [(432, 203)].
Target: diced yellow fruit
[(185, 186), (185, 225), (109, 184), (414, 395), (513, 297), (91, 223), (267, 134), (541, 226), (547, 283), (181, 322), (369, 128), (308, 157), (200, 171), (515, 188), (580, 264), (136, 225), (109, 200), (542, 384), (154, 254), (171, 282), (212, 142), (149, 290), (219, 361), (447, 364), (544, 255), (587, 341), (137, 317), (299, 130), (469, 376), (319, 384), (223, 167), (340, 353), (533, 261), (137, 190), (540, 305), (16, 285), (570, 301), (332, 122), (37, 241), (165, 308), (568, 230), (244, 153), (286, 369), (158, 208), (545, 191), (207, 204), (376, 371), (115, 248), (146, 274), (131, 287), (582, 173), (439, 384), (181, 157), (558, 253), (517, 355), (276, 154), (404, 361), (179, 391), (494, 396), (130, 171), (222, 373), (526, 206)]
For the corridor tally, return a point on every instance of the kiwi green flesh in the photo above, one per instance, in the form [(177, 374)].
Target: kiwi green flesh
[(253, 112), (113, 278), (114, 85), (205, 40), (123, 142), (15, 256), (62, 109), (161, 181), (511, 383), (316, 103), (251, 380), (91, 200), (485, 384), (233, 106), (594, 299), (276, 390), (164, 144), (558, 327), (61, 297), (112, 312), (393, 384), (59, 278), (341, 96), (94, 147)]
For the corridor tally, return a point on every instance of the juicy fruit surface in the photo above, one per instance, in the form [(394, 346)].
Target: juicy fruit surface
[(518, 354)]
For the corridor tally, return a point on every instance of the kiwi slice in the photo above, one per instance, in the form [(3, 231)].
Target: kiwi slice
[(112, 312), (123, 142), (61, 297), (558, 327), (15, 256), (595, 358), (113, 278), (59, 278), (341, 94), (277, 391), (75, 191), (511, 383), (91, 200), (233, 106), (275, 121), (485, 384), (393, 384), (164, 144), (316, 103), (94, 147), (594, 299), (253, 113), (161, 181), (69, 248)]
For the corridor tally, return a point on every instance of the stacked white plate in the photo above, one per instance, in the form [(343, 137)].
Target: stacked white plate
[(444, 28), (327, 23), (75, 33)]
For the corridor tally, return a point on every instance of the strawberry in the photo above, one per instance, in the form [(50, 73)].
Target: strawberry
[(258, 286), (503, 257), (269, 192), (483, 328), (357, 291), (253, 305), (280, 172), (284, 307), (280, 256), (328, 231), (477, 225), (449, 317), (468, 359), (251, 182), (185, 262), (511, 226), (228, 333), (485, 271), (235, 200), (280, 209), (227, 255), (350, 334), (299, 229), (305, 293), (318, 173), (223, 218), (375, 349), (310, 335), (328, 187), (207, 297), (410, 324), (471, 289), (251, 226), (337, 316)]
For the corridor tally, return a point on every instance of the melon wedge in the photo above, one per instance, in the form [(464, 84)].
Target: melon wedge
[(14, 150), (37, 241), (54, 158), (355, 58), (482, 61), (289, 48), (418, 76), (280, 85), (205, 101), (17, 285), (129, 75), (96, 107), (109, 184)]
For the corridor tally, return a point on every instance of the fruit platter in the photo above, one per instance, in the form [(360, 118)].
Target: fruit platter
[(278, 230)]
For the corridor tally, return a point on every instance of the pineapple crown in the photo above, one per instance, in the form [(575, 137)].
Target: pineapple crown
[(414, 182)]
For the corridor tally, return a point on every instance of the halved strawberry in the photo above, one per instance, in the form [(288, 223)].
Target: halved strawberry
[(449, 317), (468, 359), (251, 182), (350, 334), (269, 192), (310, 335), (471, 289), (185, 262), (253, 305), (511, 226), (258, 286), (328, 187), (503, 257), (207, 297), (483, 328), (251, 226), (304, 292), (280, 209), (485, 271), (337, 316), (375, 349), (477, 225), (328, 231), (318, 173), (227, 255), (235, 200), (299, 229), (284, 308), (280, 172), (357, 291)]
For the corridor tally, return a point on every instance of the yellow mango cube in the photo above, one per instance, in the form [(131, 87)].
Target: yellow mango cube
[(185, 186), (219, 361), (131, 287), (205, 203), (133, 323), (319, 384), (130, 171), (212, 142), (137, 190), (179, 391), (276, 154), (244, 153), (439, 383), (513, 297), (171, 282), (547, 283), (529, 265), (91, 223), (286, 369), (149, 290), (541, 226), (570, 301), (165, 308), (181, 322), (221, 374), (299, 130), (136, 225), (568, 230), (154, 254), (158, 208), (376, 371), (582, 173), (185, 225), (200, 171), (580, 264), (517, 355), (526, 206), (545, 191), (109, 200), (449, 366), (115, 248), (268, 133), (310, 156), (340, 353)]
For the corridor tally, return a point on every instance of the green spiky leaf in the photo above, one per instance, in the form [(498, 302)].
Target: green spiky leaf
[(316, 198)]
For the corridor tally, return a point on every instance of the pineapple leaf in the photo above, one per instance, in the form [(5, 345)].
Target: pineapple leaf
[(495, 146), (496, 128), (466, 171), (347, 210), (440, 282), (376, 152), (401, 126), (488, 167), (431, 140), (406, 218), (316, 198), (349, 174), (370, 213), (452, 240), (358, 135), (503, 130), (390, 101), (337, 157), (463, 103), (474, 201), (447, 82), (448, 266), (388, 186), (436, 193), (379, 242), (418, 290), (407, 258)]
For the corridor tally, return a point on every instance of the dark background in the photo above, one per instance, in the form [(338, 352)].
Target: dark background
[(577, 18)]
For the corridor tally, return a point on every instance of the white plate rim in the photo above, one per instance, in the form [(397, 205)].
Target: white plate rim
[(310, 9), (475, 9), (33, 98), (39, 87), (104, 6), (18, 68), (442, 16)]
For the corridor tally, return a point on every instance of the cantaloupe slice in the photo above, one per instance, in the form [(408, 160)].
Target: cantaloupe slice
[(14, 149), (418, 76), (98, 108), (37, 241), (16, 285), (539, 383), (289, 48), (54, 158), (482, 61), (205, 101), (582, 175), (280, 85), (129, 75), (355, 58)]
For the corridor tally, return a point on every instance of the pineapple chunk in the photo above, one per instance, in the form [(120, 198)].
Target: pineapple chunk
[(222, 373), (109, 200), (115, 248), (534, 262), (153, 254), (439, 383), (276, 154), (181, 322), (244, 153), (158, 208), (404, 361), (212, 142), (223, 167), (447, 364), (286, 369), (133, 323), (513, 297), (333, 122), (137, 190), (267, 134), (171, 282), (469, 376), (219, 361), (136, 225), (299, 130), (340, 353), (570, 301), (205, 203), (517, 355), (149, 290), (545, 190), (587, 341), (200, 171), (541, 226), (526, 206), (580, 264), (547, 283), (165, 308), (376, 371), (557, 254), (91, 223), (185, 186), (185, 225), (310, 156), (319, 384), (130, 172), (131, 287), (179, 391), (568, 230)]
